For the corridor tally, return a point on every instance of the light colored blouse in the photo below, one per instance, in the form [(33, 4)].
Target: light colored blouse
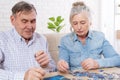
[(96, 47)]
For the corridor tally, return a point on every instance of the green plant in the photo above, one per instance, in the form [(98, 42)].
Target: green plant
[(55, 23)]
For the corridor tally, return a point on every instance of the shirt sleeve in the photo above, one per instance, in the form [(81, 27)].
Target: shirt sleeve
[(63, 52), (111, 57), (7, 75), (19, 76), (51, 66), (1, 55), (109, 62)]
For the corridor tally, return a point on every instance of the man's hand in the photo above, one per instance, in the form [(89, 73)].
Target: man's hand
[(34, 74), (42, 58), (62, 66), (89, 64)]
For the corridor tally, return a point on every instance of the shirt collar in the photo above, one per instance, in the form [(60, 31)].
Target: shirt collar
[(75, 38), (16, 35), (90, 34)]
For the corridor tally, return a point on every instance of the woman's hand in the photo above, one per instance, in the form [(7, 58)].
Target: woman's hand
[(62, 66), (89, 64)]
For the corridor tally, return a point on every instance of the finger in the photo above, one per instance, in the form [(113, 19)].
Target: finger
[(37, 75), (45, 62), (63, 67), (84, 65), (40, 70), (42, 56), (39, 53), (87, 67), (60, 67), (34, 74), (64, 64), (42, 59)]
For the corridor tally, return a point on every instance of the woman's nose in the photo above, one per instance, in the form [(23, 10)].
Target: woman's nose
[(79, 26)]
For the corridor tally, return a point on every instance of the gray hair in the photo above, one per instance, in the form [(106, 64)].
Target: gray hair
[(22, 6), (77, 8)]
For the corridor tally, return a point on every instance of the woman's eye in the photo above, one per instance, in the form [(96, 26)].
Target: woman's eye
[(82, 22), (74, 23)]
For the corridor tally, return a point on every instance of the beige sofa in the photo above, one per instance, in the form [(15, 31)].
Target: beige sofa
[(53, 41)]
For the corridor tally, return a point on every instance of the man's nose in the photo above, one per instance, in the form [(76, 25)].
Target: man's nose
[(29, 25)]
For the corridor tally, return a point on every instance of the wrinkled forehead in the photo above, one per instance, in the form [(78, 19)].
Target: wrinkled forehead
[(32, 12), (26, 12), (26, 15)]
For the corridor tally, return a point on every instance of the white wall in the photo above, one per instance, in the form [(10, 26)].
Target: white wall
[(46, 9), (107, 20)]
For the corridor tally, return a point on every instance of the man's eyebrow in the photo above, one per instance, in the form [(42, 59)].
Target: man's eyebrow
[(33, 19), (24, 19)]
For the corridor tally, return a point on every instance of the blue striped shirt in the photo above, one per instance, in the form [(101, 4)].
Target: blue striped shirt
[(96, 47), (17, 56)]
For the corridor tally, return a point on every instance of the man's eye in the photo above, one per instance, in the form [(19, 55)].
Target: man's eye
[(24, 21), (33, 21)]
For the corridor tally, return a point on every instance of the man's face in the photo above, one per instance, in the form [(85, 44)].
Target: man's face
[(25, 23), (80, 24)]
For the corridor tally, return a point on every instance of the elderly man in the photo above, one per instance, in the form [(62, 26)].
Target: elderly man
[(23, 53)]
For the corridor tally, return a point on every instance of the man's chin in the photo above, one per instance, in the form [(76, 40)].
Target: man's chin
[(28, 37)]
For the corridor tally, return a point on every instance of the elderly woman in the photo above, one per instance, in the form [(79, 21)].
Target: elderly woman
[(84, 48)]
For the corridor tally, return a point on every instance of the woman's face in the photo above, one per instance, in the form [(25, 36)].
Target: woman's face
[(80, 23)]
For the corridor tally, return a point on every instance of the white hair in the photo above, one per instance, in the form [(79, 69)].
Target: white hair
[(79, 7)]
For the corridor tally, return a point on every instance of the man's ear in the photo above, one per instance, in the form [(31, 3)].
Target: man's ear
[(12, 18), (90, 23)]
